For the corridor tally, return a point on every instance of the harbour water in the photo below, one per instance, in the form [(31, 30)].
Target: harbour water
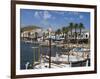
[(31, 52), (27, 53)]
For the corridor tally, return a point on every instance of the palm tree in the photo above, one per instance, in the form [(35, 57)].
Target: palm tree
[(66, 34), (58, 31), (71, 26), (63, 30), (75, 27), (81, 26)]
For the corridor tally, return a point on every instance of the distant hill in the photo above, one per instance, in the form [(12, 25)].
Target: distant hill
[(30, 27)]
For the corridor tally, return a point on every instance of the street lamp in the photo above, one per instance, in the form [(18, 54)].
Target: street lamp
[(49, 52), (49, 30)]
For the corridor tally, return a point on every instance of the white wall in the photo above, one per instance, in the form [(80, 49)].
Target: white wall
[(5, 40)]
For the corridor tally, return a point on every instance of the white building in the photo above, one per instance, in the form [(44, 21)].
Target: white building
[(84, 35), (31, 33)]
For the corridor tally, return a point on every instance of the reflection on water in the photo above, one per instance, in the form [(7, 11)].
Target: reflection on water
[(27, 52)]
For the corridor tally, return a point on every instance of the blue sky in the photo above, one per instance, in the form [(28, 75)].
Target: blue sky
[(53, 19)]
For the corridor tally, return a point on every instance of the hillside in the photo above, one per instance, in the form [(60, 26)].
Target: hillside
[(30, 27)]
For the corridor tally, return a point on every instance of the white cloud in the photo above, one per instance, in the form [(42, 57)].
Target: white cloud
[(36, 14), (66, 18), (60, 13), (74, 13), (71, 19), (46, 15), (43, 15), (81, 17)]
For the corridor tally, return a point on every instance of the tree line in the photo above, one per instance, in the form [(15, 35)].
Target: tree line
[(70, 28)]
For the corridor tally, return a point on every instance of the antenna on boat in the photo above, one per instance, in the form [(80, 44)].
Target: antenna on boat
[(87, 61), (26, 65), (57, 57)]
